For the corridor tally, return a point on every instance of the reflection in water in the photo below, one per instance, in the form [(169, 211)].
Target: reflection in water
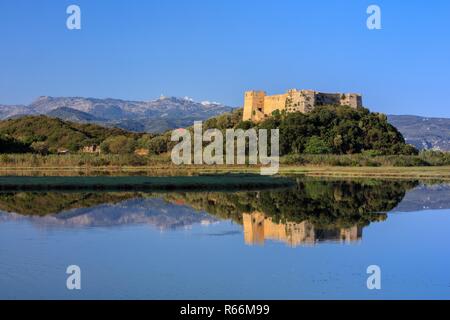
[(426, 197), (313, 211), (258, 228), (116, 235), (135, 211)]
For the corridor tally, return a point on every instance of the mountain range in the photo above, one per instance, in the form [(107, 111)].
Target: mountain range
[(150, 116), (424, 132), (166, 113)]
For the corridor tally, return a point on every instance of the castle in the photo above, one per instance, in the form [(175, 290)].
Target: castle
[(258, 105)]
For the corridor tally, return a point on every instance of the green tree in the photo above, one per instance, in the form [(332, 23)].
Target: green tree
[(315, 145), (40, 147), (157, 145), (119, 145)]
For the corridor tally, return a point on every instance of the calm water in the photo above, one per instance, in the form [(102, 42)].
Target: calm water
[(315, 240)]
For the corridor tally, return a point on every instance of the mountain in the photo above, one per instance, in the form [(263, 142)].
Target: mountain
[(69, 114), (150, 116), (423, 132), (154, 126), (10, 111)]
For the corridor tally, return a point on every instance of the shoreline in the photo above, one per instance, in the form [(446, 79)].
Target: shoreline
[(423, 173)]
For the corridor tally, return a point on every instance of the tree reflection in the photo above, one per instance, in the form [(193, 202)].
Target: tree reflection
[(313, 210)]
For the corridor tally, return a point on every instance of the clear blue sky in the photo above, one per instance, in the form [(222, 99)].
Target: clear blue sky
[(215, 50)]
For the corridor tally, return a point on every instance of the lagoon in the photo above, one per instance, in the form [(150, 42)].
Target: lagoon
[(313, 240)]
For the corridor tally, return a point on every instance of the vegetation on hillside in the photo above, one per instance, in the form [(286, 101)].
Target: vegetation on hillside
[(337, 130), (325, 130), (329, 135), (10, 145), (43, 135), (162, 144)]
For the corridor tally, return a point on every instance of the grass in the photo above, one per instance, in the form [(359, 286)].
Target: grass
[(427, 165), (424, 159), (420, 173)]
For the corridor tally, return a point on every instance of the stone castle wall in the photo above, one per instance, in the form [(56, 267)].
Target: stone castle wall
[(258, 105)]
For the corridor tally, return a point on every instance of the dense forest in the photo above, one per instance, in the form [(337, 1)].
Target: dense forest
[(337, 130), (325, 130)]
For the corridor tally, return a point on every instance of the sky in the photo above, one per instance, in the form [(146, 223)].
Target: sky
[(215, 50)]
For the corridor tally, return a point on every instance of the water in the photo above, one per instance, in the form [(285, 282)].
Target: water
[(315, 240)]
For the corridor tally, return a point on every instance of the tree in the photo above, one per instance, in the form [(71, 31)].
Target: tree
[(40, 147), (315, 145), (119, 145), (11, 145), (157, 145)]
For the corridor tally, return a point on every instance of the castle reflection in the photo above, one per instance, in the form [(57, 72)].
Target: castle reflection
[(311, 212), (258, 228)]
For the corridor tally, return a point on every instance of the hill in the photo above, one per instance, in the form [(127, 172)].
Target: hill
[(423, 132), (325, 130), (11, 145), (337, 130), (44, 134), (150, 116)]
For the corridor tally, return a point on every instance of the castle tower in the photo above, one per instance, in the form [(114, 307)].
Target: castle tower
[(254, 105), (353, 100)]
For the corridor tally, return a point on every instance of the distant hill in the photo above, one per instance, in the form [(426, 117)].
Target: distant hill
[(151, 116), (152, 125), (9, 111), (51, 133), (69, 114), (423, 132)]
